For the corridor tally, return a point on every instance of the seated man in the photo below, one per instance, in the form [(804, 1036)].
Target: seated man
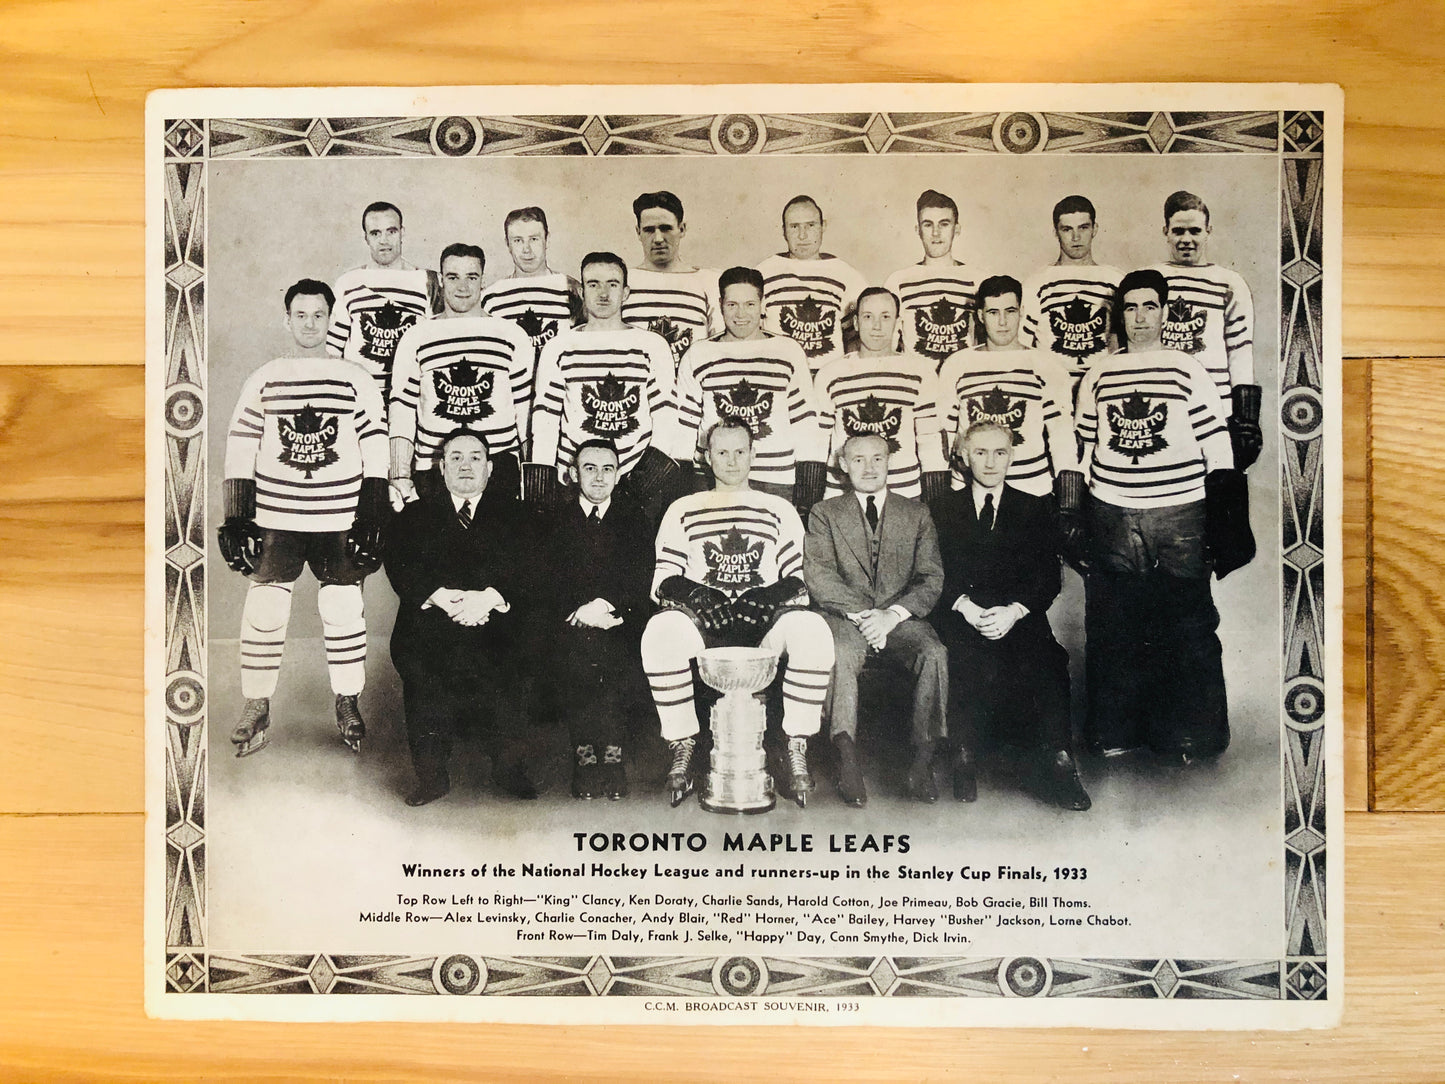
[(455, 561), (729, 569), (871, 565), (597, 559), (1001, 572)]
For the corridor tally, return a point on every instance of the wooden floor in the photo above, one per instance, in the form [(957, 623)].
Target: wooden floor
[(71, 417)]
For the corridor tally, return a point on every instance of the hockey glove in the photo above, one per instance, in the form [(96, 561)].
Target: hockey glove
[(363, 541), (709, 606), (1227, 534), (238, 536), (540, 485), (756, 608), (809, 478), (935, 485), (1244, 432), (655, 474), (1071, 493)]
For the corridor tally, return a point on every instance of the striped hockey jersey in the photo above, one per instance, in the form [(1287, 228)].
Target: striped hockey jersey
[(937, 305), (541, 305), (615, 384), (307, 430), (374, 307), (894, 397), (806, 300), (1067, 310), (729, 541), (1210, 316), (472, 372), (682, 307), (1151, 429), (1028, 392), (762, 382)]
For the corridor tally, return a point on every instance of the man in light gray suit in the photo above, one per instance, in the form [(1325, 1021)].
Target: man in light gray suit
[(872, 565)]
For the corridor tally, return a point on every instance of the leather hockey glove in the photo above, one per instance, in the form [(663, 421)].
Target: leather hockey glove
[(1227, 534), (1244, 432), (540, 485), (655, 473), (238, 536), (935, 484), (1071, 494), (708, 605), (363, 541), (757, 607), (809, 479)]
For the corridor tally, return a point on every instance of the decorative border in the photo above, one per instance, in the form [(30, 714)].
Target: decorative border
[(1297, 138)]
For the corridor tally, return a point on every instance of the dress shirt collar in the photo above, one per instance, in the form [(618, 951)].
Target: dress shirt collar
[(878, 499), (587, 507), (980, 492)]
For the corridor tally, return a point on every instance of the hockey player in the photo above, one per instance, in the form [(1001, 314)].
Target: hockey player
[(1066, 306), (541, 301), (305, 484), (1211, 318), (665, 294), (605, 379), (936, 295), (377, 302), (880, 392), (1156, 450), (729, 570), (810, 295), (762, 380), (462, 370)]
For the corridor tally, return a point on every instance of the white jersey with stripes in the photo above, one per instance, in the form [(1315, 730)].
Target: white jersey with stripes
[(807, 300), (732, 542), (893, 397), (937, 309), (1210, 316), (681, 306), (374, 308), (541, 305), (1068, 311)]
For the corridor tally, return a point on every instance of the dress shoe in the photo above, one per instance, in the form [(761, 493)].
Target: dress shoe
[(921, 786), (1062, 786), (585, 773), (965, 777), (851, 787), (613, 784), (430, 789), (514, 779)]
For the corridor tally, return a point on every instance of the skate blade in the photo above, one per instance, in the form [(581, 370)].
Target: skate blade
[(354, 744), (254, 744), (801, 797), (681, 795)]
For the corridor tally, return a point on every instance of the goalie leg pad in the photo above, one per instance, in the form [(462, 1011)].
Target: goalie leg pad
[(669, 644), (343, 619), (263, 637)]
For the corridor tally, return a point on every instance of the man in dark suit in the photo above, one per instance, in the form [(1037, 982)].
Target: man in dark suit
[(597, 560), (1001, 572), (871, 563), (454, 560)]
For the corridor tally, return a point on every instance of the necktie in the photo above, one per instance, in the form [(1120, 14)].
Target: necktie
[(593, 518), (872, 514), (464, 515), (985, 517)]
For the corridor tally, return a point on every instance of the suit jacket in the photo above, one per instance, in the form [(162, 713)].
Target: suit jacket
[(838, 568), (1017, 561), (611, 560)]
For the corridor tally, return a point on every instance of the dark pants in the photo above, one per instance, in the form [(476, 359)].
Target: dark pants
[(913, 646), (594, 676), (1012, 691), (440, 711), (285, 553)]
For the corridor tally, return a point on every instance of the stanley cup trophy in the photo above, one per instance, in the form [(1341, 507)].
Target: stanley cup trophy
[(738, 779)]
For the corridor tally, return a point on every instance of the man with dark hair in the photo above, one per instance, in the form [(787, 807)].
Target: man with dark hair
[(455, 560), (462, 370), (1210, 317), (936, 295), (377, 302), (762, 380), (539, 300), (605, 379), (879, 392), (729, 571), (305, 484), (1157, 457), (809, 295), (665, 294), (1066, 306)]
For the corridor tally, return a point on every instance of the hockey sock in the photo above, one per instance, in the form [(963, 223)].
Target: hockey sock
[(263, 636), (343, 619)]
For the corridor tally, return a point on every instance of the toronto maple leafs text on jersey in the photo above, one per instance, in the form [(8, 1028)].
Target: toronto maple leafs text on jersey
[(682, 307), (1151, 429), (763, 383), (1028, 393), (461, 372), (729, 541), (1066, 311), (612, 384), (1210, 316), (807, 300), (374, 308), (307, 430), (937, 309), (541, 305)]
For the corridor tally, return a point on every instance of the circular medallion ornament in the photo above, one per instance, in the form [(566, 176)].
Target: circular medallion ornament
[(460, 975), (456, 137), (1020, 133), (1302, 413), (185, 698), (1024, 976), (739, 976), (1304, 704), (184, 411), (739, 133)]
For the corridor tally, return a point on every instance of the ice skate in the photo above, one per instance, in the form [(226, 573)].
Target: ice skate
[(801, 781), (349, 722), (679, 778), (250, 733)]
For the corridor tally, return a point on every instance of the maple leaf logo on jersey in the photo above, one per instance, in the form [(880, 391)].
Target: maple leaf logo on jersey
[(873, 418), (1138, 426), (1080, 329), (996, 406), (308, 439), (747, 403), (733, 566), (940, 329), (678, 336), (540, 331), (464, 391), (810, 325), (611, 407), (382, 329), (1183, 327)]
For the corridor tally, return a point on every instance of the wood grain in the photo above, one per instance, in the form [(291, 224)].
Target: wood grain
[(1355, 453)]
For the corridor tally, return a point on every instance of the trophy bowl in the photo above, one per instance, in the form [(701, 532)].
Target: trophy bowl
[(738, 669), (738, 779)]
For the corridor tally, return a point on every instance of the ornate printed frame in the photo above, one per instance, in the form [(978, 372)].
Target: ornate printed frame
[(1296, 138)]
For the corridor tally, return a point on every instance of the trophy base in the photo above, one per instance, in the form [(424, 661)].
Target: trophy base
[(716, 799)]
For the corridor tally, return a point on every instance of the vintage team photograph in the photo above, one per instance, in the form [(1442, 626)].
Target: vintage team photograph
[(832, 555)]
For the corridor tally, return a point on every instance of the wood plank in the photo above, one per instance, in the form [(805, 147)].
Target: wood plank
[(70, 930), (1355, 453)]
